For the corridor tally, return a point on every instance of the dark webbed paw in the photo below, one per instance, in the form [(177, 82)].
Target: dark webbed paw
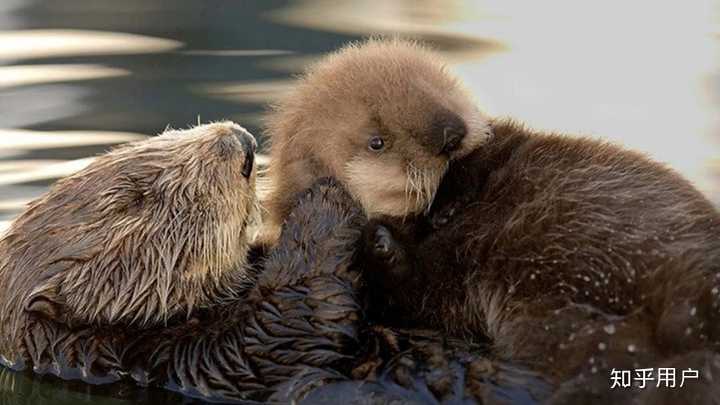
[(386, 254), (324, 206), (320, 235), (384, 246)]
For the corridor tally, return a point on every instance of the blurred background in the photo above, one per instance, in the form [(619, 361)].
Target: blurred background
[(77, 76)]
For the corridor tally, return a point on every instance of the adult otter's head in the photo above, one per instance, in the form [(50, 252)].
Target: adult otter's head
[(384, 117), (147, 231)]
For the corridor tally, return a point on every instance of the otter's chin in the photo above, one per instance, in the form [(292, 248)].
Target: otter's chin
[(391, 189)]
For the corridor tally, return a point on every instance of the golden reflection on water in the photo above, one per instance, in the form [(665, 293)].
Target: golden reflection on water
[(27, 139), (44, 172), (442, 22), (23, 75), (238, 52), (264, 91), (26, 44)]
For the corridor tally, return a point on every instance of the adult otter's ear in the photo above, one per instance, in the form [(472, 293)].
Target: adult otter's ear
[(44, 306), (46, 303), (45, 300)]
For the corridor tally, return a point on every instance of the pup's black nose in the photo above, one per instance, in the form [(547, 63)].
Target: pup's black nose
[(453, 135), (446, 132), (249, 145)]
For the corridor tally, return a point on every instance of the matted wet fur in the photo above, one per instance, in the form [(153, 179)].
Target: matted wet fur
[(328, 126), (145, 227), (297, 332), (570, 255), (147, 232)]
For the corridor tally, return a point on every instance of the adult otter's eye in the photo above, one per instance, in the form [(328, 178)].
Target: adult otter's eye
[(376, 143)]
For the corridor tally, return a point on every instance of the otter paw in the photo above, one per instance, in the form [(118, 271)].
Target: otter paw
[(382, 245), (325, 202), (386, 256)]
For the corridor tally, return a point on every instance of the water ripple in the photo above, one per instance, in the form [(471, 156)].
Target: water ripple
[(32, 44), (27, 139), (23, 75)]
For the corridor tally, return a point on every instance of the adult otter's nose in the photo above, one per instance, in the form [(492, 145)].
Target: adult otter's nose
[(453, 135), (249, 145)]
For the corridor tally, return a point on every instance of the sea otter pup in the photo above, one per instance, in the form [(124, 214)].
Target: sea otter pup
[(572, 255), (383, 117), (147, 233)]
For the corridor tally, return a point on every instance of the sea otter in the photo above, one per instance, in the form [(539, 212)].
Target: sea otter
[(174, 212), (383, 117)]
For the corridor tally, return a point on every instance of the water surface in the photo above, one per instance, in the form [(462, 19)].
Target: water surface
[(79, 76)]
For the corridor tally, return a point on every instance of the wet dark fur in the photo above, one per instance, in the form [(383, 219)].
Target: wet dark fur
[(299, 319), (300, 327), (570, 255)]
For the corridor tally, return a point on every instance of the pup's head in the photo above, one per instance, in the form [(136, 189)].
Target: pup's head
[(147, 231), (384, 117)]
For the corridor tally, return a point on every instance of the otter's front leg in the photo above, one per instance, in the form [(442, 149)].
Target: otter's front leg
[(298, 326), (386, 254), (307, 297), (402, 279)]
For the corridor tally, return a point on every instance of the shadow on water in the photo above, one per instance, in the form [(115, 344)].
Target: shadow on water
[(78, 76), (23, 389)]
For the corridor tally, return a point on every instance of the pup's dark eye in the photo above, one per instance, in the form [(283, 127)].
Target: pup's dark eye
[(376, 143)]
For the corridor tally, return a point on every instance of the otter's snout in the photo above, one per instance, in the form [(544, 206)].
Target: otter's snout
[(248, 145), (249, 157), (249, 162), (231, 140)]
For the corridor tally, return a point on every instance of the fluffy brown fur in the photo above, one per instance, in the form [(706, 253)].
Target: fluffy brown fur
[(392, 89), (148, 231), (572, 255)]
